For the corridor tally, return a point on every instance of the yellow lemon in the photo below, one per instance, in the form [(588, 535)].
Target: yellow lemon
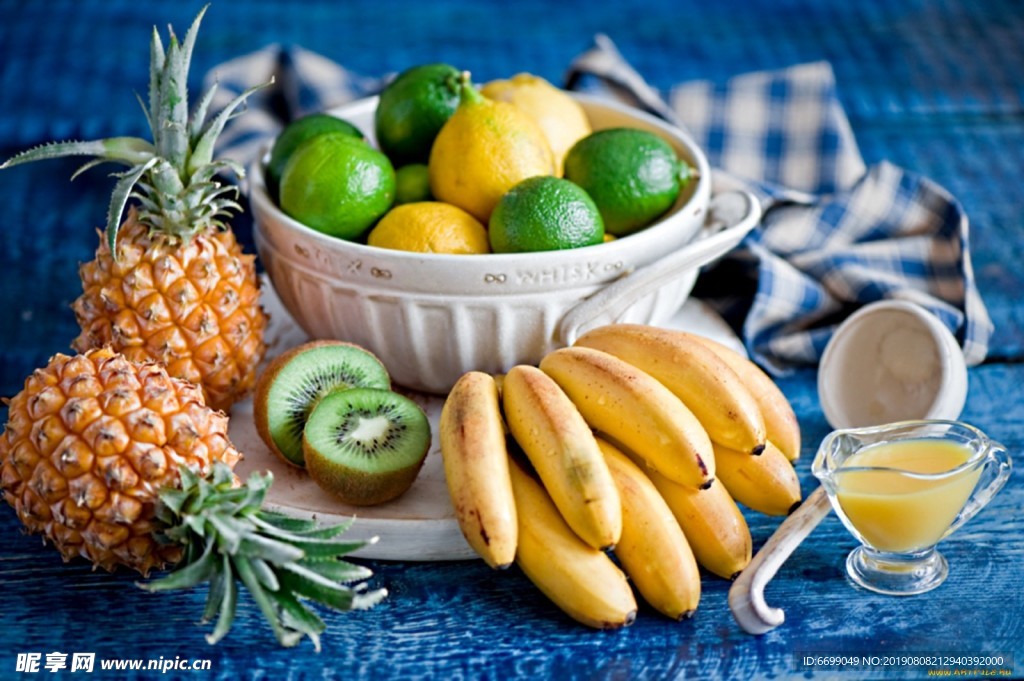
[(485, 148), (430, 227), (559, 115)]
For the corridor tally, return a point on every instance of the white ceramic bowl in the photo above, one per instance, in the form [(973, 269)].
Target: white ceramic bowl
[(432, 317)]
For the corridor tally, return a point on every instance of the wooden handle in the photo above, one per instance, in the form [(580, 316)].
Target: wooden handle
[(746, 596)]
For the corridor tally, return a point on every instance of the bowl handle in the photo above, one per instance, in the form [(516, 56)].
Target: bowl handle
[(730, 216)]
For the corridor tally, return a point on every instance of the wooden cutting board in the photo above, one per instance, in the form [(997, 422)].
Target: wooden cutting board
[(420, 525)]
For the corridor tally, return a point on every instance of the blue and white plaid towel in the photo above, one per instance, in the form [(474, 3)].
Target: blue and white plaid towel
[(835, 234)]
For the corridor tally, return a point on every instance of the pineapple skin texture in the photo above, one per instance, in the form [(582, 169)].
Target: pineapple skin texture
[(194, 306), (90, 441)]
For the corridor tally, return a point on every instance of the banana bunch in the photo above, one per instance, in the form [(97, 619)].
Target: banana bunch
[(636, 442)]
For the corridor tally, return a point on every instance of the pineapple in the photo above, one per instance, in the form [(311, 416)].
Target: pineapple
[(120, 454), (118, 462), (171, 283), (89, 443)]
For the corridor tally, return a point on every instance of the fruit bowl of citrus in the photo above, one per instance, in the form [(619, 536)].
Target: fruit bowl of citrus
[(448, 226)]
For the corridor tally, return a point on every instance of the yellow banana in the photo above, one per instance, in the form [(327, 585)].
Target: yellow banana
[(579, 579), (781, 425), (765, 483), (694, 373), (636, 410), (712, 522), (563, 451), (653, 550), (472, 435)]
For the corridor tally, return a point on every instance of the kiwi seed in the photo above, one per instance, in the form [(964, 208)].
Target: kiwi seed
[(296, 380), (365, 445)]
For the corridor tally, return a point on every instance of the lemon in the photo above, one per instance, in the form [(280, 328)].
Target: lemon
[(559, 115), (545, 213), (337, 184), (294, 134), (412, 183), (634, 176), (412, 109), (430, 227), (485, 149)]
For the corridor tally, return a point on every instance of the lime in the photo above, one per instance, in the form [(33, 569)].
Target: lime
[(429, 227), (412, 183), (294, 134), (337, 184), (634, 176), (412, 109), (545, 213)]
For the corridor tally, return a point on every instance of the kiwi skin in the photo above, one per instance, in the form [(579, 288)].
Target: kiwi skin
[(361, 488), (358, 488), (261, 408)]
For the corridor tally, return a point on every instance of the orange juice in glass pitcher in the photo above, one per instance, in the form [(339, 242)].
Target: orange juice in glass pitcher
[(902, 488)]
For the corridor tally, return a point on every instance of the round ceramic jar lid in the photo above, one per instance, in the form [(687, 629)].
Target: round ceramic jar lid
[(891, 361)]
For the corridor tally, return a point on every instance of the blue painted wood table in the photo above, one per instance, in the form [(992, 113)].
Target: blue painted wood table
[(936, 87)]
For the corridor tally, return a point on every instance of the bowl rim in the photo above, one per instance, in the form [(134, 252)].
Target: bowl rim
[(259, 197)]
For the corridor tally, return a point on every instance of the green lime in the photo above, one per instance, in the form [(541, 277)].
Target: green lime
[(544, 213), (412, 109), (412, 183), (634, 176), (294, 134), (337, 184)]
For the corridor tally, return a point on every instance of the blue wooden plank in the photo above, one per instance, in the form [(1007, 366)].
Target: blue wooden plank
[(934, 86), (461, 619)]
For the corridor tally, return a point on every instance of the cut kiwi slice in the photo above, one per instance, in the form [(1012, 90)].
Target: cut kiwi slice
[(365, 445), (296, 380)]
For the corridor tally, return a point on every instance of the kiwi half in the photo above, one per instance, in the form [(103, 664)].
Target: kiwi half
[(365, 445), (296, 380)]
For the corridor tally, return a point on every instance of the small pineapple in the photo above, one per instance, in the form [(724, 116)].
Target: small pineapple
[(119, 463), (91, 440), (171, 283)]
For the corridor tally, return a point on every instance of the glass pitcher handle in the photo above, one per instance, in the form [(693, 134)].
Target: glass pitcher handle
[(998, 459)]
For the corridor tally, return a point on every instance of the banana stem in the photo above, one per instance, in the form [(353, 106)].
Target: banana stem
[(746, 596)]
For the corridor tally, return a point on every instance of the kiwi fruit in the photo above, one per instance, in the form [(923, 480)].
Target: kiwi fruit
[(296, 380), (365, 445)]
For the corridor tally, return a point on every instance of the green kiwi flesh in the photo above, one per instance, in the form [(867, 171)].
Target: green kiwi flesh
[(294, 383), (365, 445)]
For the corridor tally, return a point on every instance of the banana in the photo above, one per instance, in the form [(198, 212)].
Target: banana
[(563, 451), (712, 522), (579, 579), (635, 409), (653, 550), (781, 425), (472, 435), (694, 373), (765, 483)]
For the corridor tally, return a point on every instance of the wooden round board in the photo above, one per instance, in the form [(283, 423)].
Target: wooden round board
[(420, 525)]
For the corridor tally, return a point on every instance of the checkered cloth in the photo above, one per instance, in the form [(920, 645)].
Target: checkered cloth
[(835, 234)]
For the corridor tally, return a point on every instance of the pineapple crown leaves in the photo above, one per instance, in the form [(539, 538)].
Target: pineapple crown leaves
[(229, 538), (172, 175)]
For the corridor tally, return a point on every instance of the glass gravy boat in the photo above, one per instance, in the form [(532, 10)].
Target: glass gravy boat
[(903, 487)]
